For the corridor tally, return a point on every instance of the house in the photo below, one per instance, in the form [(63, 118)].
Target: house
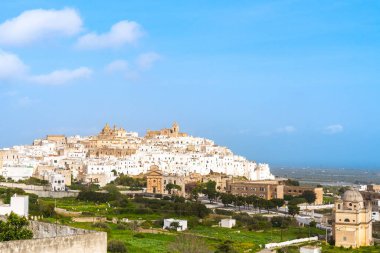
[(227, 223), (375, 216), (57, 182), (310, 249), (179, 225), (19, 205)]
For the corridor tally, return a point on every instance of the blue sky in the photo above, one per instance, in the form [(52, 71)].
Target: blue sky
[(291, 83)]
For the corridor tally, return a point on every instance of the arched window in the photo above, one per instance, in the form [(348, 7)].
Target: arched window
[(338, 206), (346, 220)]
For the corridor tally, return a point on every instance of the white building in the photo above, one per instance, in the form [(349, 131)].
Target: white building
[(227, 223), (57, 182), (310, 249), (375, 216), (19, 205), (17, 172), (168, 224)]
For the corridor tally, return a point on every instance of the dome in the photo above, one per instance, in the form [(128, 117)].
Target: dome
[(352, 196)]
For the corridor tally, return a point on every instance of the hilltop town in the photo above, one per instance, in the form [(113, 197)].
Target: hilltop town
[(101, 158)]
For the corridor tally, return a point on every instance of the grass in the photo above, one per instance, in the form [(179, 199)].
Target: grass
[(243, 240)]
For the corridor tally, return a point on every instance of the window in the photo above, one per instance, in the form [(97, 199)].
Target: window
[(346, 220), (344, 238), (338, 206)]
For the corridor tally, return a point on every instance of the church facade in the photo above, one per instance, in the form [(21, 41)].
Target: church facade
[(352, 225)]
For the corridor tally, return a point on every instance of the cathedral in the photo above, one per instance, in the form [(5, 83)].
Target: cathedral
[(168, 132), (352, 225)]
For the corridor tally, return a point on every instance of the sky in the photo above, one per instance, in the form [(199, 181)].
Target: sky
[(289, 83)]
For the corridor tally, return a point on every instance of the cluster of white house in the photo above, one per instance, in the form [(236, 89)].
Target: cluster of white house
[(101, 158)]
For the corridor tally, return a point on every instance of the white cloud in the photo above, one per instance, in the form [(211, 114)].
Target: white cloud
[(333, 129), (25, 101), (62, 76), (117, 66), (121, 33), (146, 60), (281, 130), (38, 24), (11, 67), (286, 129)]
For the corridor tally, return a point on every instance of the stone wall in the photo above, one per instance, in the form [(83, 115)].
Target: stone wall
[(52, 194), (52, 238), (25, 186)]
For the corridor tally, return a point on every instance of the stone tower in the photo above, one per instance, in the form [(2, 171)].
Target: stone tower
[(352, 225)]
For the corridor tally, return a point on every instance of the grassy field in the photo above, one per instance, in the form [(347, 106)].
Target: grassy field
[(243, 239)]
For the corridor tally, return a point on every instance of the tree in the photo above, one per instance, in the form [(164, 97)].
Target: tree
[(278, 202), (15, 228), (309, 196), (225, 247), (195, 190), (226, 198), (169, 187), (210, 190), (293, 210), (239, 201), (291, 182), (186, 243)]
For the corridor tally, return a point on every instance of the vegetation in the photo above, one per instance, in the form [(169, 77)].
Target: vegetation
[(309, 196), (293, 210), (170, 187), (130, 181), (291, 182), (116, 246), (34, 181), (15, 228), (187, 243)]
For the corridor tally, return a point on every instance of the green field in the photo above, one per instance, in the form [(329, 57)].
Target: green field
[(242, 239)]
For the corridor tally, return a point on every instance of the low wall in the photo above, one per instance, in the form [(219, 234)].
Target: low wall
[(51, 238), (89, 219), (287, 243), (52, 194), (25, 186), (66, 213)]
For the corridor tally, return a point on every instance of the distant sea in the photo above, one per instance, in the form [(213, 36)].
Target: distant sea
[(330, 176)]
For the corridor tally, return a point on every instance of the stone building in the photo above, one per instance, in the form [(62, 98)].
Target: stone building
[(297, 191), (58, 139), (157, 182), (269, 189), (373, 188), (352, 222), (168, 132)]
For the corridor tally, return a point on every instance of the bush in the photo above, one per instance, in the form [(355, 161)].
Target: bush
[(121, 226), (146, 224), (139, 235), (159, 223), (86, 213), (101, 225), (313, 224), (224, 212), (116, 246)]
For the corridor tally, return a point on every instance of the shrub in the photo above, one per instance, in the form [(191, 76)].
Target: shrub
[(101, 225), (224, 212), (139, 235), (121, 226), (146, 224), (116, 246)]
